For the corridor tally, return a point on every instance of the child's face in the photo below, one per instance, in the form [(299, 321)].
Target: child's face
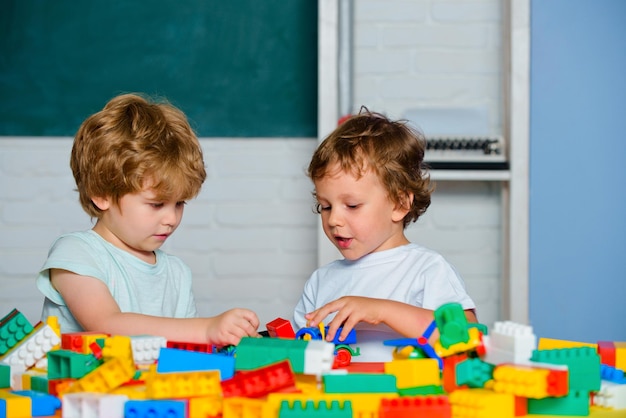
[(357, 215), (139, 224)]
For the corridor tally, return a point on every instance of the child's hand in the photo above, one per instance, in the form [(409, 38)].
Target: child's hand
[(231, 326), (350, 311)]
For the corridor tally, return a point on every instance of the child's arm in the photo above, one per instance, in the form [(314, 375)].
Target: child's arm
[(403, 318), (94, 308)]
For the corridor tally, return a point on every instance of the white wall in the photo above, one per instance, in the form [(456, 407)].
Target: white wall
[(251, 237)]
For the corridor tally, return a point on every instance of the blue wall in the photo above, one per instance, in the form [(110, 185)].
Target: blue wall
[(578, 169)]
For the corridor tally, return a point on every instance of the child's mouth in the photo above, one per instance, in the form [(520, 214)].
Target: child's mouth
[(343, 242)]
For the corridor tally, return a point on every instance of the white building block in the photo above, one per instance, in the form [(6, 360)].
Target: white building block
[(611, 395), (318, 357), (509, 342), (33, 348), (93, 405), (146, 348)]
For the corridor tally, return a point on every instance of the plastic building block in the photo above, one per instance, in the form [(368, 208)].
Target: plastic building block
[(182, 384), (65, 363), (33, 348), (452, 324), (474, 373), (299, 409), (202, 348), (260, 382), (146, 348), (14, 406), (80, 342), (242, 407), (612, 374), (606, 351), (309, 357), (551, 343), (422, 390), (620, 354), (53, 322), (449, 372), (280, 328), (359, 383), (509, 342), (155, 409), (576, 402), (5, 376), (413, 373), (611, 395), (529, 382), (583, 364), (39, 383), (175, 360), (409, 407), (474, 343), (117, 346), (363, 404), (110, 375), (42, 404), (14, 327), (206, 406), (482, 403), (58, 386), (96, 405)]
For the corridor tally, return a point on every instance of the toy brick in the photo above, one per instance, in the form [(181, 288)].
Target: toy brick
[(422, 390), (300, 409), (205, 406), (607, 353), (146, 348), (359, 383), (58, 386), (14, 327), (509, 342), (576, 402), (42, 404), (202, 348), (39, 383), (53, 322), (5, 376), (182, 384), (14, 406), (253, 353), (319, 357), (583, 364), (611, 395), (448, 373), (96, 405), (620, 354), (110, 375), (473, 372), (412, 373), (363, 404), (242, 407), (117, 346), (452, 324), (280, 328), (474, 342), (80, 342), (65, 363), (156, 409), (482, 403), (409, 407), (32, 348), (551, 343), (260, 382), (175, 360), (612, 374), (529, 382)]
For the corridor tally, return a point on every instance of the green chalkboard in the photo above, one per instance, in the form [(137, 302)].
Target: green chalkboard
[(237, 68)]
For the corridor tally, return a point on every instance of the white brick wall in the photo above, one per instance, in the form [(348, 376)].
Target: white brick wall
[(251, 237)]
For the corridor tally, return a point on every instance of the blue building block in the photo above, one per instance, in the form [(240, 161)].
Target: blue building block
[(155, 409), (612, 374), (42, 404), (176, 360)]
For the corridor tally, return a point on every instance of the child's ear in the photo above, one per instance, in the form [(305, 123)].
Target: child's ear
[(403, 207), (102, 203)]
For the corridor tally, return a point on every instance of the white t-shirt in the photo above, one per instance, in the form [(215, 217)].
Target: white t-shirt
[(160, 289), (410, 273)]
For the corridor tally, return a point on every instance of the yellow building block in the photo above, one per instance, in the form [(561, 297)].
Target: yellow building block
[(183, 384), (475, 340), (117, 346), (620, 355), (364, 405), (414, 372), (110, 375), (521, 381), (239, 407), (205, 406), (14, 406), (481, 403), (550, 343)]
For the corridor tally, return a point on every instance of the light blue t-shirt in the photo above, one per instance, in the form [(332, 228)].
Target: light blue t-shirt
[(160, 289)]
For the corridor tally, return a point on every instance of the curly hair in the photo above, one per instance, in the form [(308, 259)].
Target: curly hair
[(393, 150), (133, 143)]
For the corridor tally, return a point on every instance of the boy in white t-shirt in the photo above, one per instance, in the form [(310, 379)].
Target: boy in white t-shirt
[(370, 184), (135, 164)]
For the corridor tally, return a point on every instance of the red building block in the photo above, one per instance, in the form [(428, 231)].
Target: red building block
[(606, 351), (280, 328), (201, 348), (431, 406), (260, 382)]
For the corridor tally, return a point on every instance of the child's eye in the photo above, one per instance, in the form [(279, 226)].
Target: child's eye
[(156, 205), (352, 206), (181, 203)]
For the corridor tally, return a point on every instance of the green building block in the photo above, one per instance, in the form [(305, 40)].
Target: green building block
[(14, 327), (422, 390), (253, 353), (39, 384), (5, 376), (320, 409), (452, 324), (473, 372), (576, 402), (583, 364), (65, 363), (360, 383)]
